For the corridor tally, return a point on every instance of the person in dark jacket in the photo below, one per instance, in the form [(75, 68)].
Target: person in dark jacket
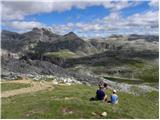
[(100, 93)]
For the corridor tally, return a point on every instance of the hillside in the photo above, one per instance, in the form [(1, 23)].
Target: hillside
[(73, 102)]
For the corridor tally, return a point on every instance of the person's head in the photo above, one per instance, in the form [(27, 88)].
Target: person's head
[(114, 91), (100, 84), (105, 85)]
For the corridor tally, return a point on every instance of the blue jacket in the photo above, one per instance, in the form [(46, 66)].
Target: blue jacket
[(114, 98)]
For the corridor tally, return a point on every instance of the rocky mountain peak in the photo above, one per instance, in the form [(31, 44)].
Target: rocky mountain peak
[(71, 35), (46, 31), (36, 29)]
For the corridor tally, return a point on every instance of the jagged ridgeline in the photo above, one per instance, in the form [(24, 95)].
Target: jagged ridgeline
[(41, 51)]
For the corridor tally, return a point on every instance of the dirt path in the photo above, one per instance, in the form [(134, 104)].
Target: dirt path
[(35, 86)]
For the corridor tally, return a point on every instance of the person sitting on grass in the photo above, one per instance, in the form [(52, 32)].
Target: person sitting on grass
[(100, 94), (114, 97)]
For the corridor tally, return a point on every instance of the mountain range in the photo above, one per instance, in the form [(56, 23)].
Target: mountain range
[(41, 47)]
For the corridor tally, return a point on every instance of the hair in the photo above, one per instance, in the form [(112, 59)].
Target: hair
[(105, 85), (102, 85)]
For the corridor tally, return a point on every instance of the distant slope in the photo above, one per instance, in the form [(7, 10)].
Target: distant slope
[(11, 41), (41, 40), (61, 54), (131, 42), (69, 41), (112, 58), (14, 42)]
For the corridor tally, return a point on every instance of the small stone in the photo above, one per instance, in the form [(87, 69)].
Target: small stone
[(104, 114), (68, 84), (93, 113), (66, 98), (55, 82)]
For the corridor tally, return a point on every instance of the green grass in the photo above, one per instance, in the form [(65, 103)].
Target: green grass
[(148, 71), (136, 63), (120, 80), (12, 86), (62, 54), (52, 103), (150, 74)]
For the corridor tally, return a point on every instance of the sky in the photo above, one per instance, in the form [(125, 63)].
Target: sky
[(87, 18)]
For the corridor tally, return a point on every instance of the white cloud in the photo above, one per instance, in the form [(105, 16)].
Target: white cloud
[(150, 18), (120, 4), (17, 10), (154, 3), (23, 25), (113, 23), (146, 23), (13, 16)]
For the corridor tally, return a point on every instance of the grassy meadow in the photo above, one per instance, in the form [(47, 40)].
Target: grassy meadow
[(73, 102)]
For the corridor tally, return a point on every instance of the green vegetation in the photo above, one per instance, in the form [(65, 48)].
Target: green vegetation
[(62, 54), (136, 64), (73, 102), (150, 74), (129, 81), (12, 86), (146, 71)]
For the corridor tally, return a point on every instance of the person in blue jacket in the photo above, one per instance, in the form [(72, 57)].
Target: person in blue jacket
[(114, 97)]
